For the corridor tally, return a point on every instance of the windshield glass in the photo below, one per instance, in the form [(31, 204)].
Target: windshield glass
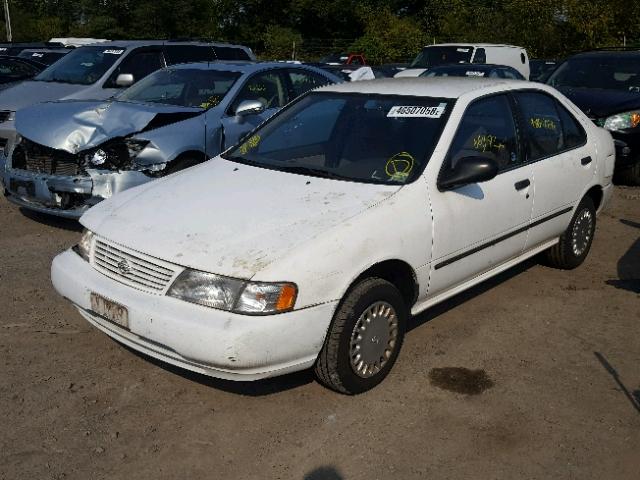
[(432, 56), (83, 66), (376, 139), (183, 87), (610, 73)]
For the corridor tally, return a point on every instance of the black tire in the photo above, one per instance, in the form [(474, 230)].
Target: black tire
[(629, 176), (182, 163), (575, 242), (333, 367)]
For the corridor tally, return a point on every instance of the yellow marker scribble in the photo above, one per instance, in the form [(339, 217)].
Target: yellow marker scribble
[(542, 123), (486, 143), (399, 166), (250, 144)]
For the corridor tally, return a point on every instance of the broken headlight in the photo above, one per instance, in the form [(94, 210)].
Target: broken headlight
[(233, 295), (83, 248)]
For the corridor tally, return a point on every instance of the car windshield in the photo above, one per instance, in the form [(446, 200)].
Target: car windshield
[(83, 66), (432, 56), (611, 73), (373, 139), (183, 87)]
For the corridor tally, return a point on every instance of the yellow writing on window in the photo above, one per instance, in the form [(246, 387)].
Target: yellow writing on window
[(250, 144), (542, 123), (487, 143)]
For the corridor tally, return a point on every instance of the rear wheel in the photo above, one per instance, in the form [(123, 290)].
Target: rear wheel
[(364, 338), (575, 242)]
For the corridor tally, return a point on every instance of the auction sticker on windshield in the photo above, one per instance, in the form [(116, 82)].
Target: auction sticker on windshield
[(114, 52), (112, 311), (416, 111)]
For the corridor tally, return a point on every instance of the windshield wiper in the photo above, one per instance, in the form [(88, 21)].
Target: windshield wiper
[(314, 172)]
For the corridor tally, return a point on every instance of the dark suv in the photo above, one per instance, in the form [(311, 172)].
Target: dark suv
[(605, 84)]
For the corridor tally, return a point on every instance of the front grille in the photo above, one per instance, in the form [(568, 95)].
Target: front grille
[(4, 115), (33, 157), (132, 268)]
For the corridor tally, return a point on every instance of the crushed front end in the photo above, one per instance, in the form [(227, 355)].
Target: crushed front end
[(57, 182)]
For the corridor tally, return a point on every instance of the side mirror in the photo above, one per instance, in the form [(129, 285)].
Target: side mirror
[(124, 80), (468, 170), (249, 107)]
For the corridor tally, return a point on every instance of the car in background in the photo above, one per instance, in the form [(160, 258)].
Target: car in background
[(448, 53), (100, 71), (312, 242), (605, 84), (345, 59), (17, 69), (474, 70), (541, 69), (44, 55), (73, 154), (13, 49)]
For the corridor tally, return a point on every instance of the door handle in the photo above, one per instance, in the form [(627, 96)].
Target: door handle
[(522, 184), (586, 160)]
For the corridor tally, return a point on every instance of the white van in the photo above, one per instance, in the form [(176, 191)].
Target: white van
[(444, 53)]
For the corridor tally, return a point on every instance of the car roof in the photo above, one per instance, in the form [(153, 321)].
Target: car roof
[(472, 44), (608, 53), (468, 66), (240, 66), (439, 87), (144, 43)]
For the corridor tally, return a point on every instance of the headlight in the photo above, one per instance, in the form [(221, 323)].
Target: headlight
[(622, 121), (11, 117), (83, 248), (233, 295), (135, 146)]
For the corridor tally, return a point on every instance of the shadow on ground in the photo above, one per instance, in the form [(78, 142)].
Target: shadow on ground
[(629, 265), (52, 221), (324, 473)]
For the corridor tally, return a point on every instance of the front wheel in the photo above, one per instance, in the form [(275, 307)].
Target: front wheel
[(575, 242), (364, 338)]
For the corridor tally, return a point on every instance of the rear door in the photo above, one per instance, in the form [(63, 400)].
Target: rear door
[(269, 88), (556, 147), (480, 226)]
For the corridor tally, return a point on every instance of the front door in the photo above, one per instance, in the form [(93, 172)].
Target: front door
[(477, 227)]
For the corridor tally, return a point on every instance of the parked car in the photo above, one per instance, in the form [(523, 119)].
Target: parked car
[(606, 86), (356, 59), (13, 49), (451, 53), (541, 69), (312, 242), (73, 154), (475, 70), (16, 69), (46, 56), (99, 71)]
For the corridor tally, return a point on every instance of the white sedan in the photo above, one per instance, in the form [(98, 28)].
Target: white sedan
[(312, 242)]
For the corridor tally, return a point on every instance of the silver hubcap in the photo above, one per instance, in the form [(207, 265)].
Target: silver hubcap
[(373, 339), (581, 233)]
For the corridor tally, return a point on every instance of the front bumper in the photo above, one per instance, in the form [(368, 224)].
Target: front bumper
[(204, 340), (66, 196)]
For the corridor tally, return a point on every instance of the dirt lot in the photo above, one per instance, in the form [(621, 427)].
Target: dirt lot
[(75, 404)]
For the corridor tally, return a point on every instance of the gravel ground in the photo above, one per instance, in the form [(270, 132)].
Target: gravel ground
[(544, 349)]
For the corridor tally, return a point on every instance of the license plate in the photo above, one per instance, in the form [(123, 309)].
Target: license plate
[(112, 311)]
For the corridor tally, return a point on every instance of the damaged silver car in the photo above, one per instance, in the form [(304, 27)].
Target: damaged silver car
[(70, 155)]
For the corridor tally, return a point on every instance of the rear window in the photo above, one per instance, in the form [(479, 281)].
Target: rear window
[(231, 53), (188, 53), (432, 56)]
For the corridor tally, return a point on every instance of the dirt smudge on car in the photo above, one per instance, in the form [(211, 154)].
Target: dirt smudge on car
[(460, 380)]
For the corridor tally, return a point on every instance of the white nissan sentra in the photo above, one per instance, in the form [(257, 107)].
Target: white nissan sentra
[(312, 242)]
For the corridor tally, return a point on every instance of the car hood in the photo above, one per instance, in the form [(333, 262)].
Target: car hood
[(29, 93), (227, 218), (75, 125), (600, 103)]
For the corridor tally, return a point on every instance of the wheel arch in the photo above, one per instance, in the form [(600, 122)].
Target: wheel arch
[(596, 194), (395, 271)]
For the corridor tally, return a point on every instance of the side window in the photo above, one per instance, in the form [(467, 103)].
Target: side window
[(188, 53), (139, 64), (266, 87), (487, 130), (231, 53), (508, 73), (542, 125), (480, 56), (574, 134), (302, 82)]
